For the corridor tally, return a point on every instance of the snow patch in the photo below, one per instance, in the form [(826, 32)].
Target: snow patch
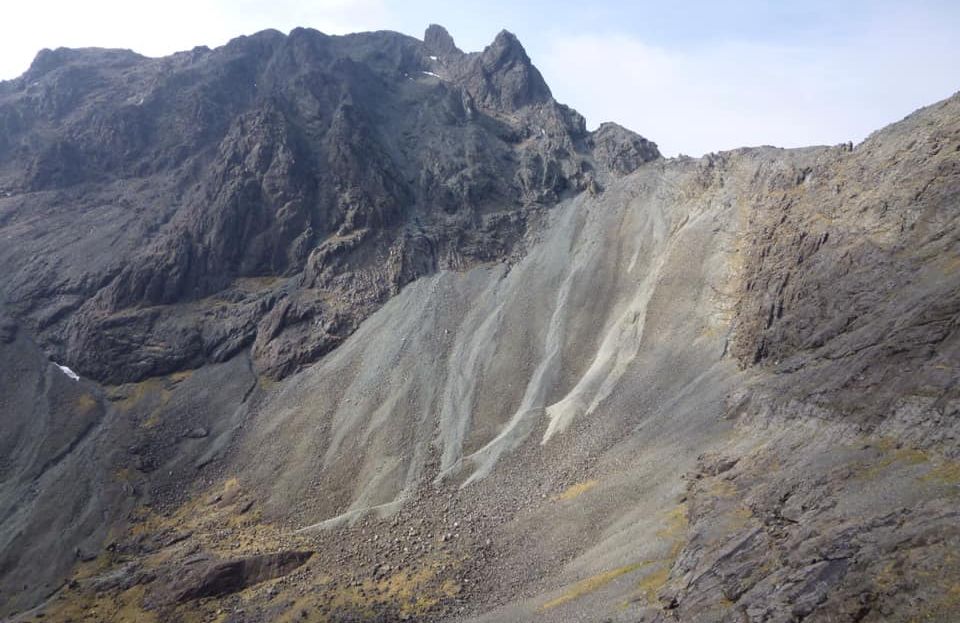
[(73, 375), (430, 73), (433, 58)]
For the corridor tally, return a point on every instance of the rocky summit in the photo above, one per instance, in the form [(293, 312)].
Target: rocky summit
[(368, 328)]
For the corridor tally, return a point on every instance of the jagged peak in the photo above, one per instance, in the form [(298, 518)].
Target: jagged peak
[(505, 38), (506, 47), (503, 76), (439, 41)]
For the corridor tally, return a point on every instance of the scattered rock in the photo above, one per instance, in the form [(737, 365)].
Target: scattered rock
[(8, 330), (197, 433), (85, 556)]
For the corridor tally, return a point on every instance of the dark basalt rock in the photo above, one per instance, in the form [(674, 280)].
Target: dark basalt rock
[(503, 78), (48, 60), (621, 150), (439, 41), (8, 330), (270, 193), (217, 578)]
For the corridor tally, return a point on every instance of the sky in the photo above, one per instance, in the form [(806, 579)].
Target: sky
[(695, 76)]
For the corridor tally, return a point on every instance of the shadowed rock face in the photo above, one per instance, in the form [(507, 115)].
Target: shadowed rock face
[(389, 303), (217, 578), (273, 192)]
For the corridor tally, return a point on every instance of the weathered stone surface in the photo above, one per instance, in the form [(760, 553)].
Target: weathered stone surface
[(439, 41), (8, 330), (216, 578), (251, 194), (621, 150)]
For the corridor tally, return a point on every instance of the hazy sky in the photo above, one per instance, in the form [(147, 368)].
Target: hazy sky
[(694, 76)]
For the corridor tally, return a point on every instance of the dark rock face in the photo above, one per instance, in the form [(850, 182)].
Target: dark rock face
[(620, 150), (217, 578), (503, 78), (439, 41), (271, 193)]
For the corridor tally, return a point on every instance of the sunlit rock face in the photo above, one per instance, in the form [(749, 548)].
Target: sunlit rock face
[(369, 328)]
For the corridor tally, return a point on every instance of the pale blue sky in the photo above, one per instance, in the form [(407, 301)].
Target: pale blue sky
[(694, 76)]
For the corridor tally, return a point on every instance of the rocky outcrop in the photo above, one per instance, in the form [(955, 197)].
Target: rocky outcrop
[(618, 149), (439, 41), (213, 578), (249, 195), (502, 78)]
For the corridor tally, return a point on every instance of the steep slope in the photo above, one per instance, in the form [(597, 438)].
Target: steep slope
[(599, 385), (302, 179)]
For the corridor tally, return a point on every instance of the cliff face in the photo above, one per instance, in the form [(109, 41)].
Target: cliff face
[(273, 192), (369, 328)]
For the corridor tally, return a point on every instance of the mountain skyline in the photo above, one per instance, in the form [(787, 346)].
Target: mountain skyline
[(698, 77)]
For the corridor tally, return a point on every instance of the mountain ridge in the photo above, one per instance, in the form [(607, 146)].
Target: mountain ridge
[(562, 378), (542, 153)]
